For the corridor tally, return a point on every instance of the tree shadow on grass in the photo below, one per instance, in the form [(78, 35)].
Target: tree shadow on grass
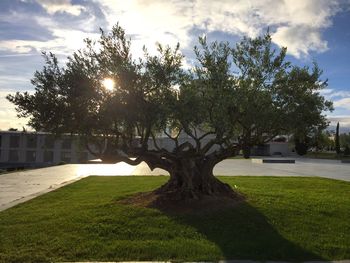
[(242, 232)]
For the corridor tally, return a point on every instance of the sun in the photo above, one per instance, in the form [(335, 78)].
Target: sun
[(108, 84)]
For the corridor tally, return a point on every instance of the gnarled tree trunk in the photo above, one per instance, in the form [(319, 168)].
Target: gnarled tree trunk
[(193, 179), (246, 151)]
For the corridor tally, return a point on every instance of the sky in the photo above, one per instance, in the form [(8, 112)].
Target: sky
[(312, 30)]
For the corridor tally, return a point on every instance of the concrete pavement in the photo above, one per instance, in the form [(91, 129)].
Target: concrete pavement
[(332, 169), (18, 187)]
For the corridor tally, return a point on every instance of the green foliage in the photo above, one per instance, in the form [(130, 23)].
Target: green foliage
[(234, 97), (321, 140), (301, 147), (316, 140), (305, 218), (344, 139), (347, 150)]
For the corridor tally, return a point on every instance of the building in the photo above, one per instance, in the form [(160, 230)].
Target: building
[(40, 149), (271, 149), (35, 149)]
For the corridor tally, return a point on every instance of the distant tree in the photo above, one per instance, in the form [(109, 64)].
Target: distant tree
[(234, 97), (320, 140), (346, 150), (309, 120), (344, 139), (316, 137), (337, 142), (301, 147), (13, 129)]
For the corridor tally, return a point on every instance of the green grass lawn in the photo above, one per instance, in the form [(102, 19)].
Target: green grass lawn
[(326, 155), (283, 219)]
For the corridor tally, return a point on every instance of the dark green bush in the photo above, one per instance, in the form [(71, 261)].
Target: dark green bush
[(301, 148)]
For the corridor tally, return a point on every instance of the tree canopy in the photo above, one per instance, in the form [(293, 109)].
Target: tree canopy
[(232, 98)]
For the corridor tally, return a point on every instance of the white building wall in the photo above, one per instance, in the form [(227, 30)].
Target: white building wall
[(279, 147), (32, 148)]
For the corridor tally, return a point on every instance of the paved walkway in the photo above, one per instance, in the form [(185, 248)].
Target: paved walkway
[(333, 169), (18, 187)]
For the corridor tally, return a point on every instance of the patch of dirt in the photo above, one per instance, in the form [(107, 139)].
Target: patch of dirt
[(204, 204)]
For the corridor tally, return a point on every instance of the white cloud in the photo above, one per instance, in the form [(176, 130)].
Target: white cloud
[(304, 22), (8, 116), (53, 6), (326, 92), (344, 122), (341, 98), (340, 94), (297, 24), (343, 103), (300, 40), (149, 22), (64, 43)]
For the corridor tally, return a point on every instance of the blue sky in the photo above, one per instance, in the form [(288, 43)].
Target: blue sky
[(312, 30)]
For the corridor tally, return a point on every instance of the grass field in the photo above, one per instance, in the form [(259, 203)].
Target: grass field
[(282, 219), (326, 155)]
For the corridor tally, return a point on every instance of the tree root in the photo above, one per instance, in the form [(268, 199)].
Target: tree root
[(179, 200)]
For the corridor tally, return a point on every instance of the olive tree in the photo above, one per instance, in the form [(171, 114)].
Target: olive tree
[(233, 98)]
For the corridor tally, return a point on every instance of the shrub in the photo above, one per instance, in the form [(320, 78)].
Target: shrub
[(301, 148)]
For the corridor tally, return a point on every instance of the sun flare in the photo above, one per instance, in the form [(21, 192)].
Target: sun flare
[(108, 84)]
